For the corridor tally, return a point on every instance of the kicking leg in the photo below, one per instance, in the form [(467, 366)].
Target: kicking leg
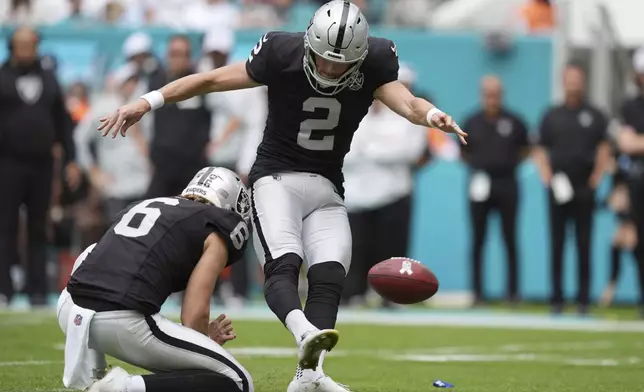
[(277, 220), (326, 237)]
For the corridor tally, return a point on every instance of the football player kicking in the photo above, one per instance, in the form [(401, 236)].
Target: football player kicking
[(320, 85), (154, 248)]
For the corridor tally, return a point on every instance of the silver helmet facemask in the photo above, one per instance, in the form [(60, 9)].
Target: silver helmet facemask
[(338, 32)]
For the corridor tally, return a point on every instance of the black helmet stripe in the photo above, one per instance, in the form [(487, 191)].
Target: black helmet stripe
[(343, 27), (204, 177)]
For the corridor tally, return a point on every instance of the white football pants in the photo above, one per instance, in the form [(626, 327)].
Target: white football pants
[(300, 213)]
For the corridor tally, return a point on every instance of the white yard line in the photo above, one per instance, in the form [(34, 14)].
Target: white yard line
[(429, 317), (28, 363)]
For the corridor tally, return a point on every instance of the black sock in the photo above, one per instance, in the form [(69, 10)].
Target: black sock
[(281, 277), (189, 381), (326, 281)]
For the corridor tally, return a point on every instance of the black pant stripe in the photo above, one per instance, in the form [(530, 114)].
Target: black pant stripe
[(182, 344), (267, 252)]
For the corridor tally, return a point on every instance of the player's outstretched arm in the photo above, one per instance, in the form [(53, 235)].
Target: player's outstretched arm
[(230, 77), (195, 311), (417, 110)]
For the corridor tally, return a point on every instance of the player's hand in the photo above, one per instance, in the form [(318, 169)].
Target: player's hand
[(221, 330), (124, 117), (446, 123)]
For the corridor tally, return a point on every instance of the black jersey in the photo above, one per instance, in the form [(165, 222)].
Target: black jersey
[(305, 130), (151, 250)]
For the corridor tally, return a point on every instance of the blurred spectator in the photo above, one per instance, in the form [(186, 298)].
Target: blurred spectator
[(181, 131), (408, 13), (631, 143), (137, 50), (230, 108), (238, 116), (378, 187), (497, 143), (34, 119), (76, 15), (265, 13), (169, 13), (625, 237), (31, 12), (572, 157), (120, 172), (77, 101), (114, 13), (538, 16), (203, 15)]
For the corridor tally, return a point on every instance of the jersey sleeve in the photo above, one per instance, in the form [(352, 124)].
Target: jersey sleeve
[(232, 228), (261, 64), (387, 59)]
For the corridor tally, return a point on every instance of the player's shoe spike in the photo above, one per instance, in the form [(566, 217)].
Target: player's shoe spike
[(313, 344)]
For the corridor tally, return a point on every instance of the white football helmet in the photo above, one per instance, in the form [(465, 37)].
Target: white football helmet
[(222, 188), (337, 32)]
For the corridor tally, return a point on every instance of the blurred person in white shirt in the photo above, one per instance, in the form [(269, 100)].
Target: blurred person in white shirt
[(265, 13), (202, 15), (379, 180), (237, 114), (166, 13), (237, 128), (120, 169)]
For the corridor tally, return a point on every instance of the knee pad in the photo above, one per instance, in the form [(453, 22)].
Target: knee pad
[(281, 278), (327, 273), (284, 267)]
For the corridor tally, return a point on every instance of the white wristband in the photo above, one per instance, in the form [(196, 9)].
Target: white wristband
[(154, 98), (431, 114)]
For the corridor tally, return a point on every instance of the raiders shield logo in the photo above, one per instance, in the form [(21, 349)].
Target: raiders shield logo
[(357, 81), (29, 88), (243, 204)]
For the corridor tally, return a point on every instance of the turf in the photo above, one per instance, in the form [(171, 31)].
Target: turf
[(378, 358)]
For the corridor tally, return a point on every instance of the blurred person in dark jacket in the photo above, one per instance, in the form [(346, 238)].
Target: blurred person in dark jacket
[(34, 119), (181, 131), (498, 143), (625, 236), (572, 156), (631, 143)]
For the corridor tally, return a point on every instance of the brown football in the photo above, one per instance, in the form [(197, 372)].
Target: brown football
[(403, 281)]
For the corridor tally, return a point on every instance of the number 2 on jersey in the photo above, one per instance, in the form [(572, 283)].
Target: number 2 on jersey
[(318, 134), (150, 216)]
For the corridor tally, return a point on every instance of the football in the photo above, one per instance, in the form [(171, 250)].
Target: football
[(403, 281)]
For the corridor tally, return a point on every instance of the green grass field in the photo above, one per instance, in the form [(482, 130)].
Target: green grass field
[(382, 358)]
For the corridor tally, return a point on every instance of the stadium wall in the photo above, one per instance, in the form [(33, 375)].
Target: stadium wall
[(449, 67)]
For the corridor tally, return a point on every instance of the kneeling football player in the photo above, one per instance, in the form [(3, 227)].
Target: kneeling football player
[(154, 248)]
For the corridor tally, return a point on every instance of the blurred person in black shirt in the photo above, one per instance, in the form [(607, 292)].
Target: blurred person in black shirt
[(34, 119), (497, 144), (181, 131), (631, 143), (572, 157), (625, 237)]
